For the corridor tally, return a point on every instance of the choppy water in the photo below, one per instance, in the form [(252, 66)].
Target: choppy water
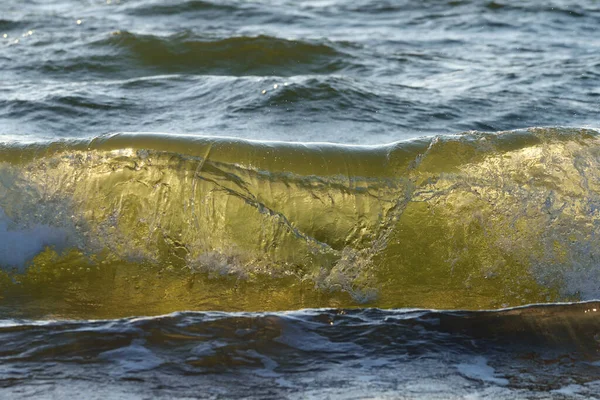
[(534, 353), (366, 72), (300, 184)]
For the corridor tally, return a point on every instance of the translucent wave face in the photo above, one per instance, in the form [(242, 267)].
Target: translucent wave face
[(472, 221)]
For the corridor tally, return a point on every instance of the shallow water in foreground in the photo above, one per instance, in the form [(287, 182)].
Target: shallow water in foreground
[(536, 352)]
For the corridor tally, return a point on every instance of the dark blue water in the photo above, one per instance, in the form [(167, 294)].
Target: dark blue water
[(369, 72), (532, 353)]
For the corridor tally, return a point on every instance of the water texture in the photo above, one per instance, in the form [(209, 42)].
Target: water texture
[(535, 353), (369, 72), (299, 199), (474, 221)]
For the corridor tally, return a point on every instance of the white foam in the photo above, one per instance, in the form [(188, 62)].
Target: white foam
[(479, 370), (207, 349), (268, 363), (132, 358), (306, 340), (18, 246), (569, 390)]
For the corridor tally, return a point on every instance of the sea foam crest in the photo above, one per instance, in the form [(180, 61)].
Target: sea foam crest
[(19, 245)]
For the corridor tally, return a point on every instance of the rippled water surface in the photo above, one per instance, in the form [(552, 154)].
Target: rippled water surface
[(365, 72), (302, 184)]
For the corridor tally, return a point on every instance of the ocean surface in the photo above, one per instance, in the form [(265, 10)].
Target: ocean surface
[(317, 199)]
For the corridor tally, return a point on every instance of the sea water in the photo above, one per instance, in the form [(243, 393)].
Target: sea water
[(299, 199)]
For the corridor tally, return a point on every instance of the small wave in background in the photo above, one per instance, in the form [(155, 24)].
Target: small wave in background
[(367, 73)]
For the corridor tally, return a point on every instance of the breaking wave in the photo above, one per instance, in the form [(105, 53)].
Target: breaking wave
[(476, 220)]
